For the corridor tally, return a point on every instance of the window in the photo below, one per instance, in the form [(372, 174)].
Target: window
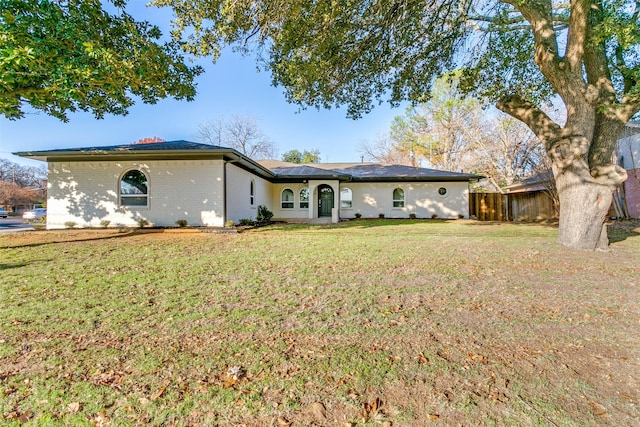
[(442, 191), (346, 198), (304, 198), (287, 199), (398, 198), (134, 189), (252, 186)]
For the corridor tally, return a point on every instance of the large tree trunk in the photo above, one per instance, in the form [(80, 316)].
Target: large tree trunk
[(584, 204)]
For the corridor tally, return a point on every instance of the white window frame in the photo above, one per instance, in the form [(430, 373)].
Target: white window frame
[(397, 202), (301, 201), (343, 202), (122, 196), (292, 201)]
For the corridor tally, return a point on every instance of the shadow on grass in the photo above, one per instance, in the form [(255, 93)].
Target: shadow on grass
[(623, 229), (70, 239), (352, 223), (10, 266)]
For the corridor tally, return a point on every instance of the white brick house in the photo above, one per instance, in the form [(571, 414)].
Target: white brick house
[(208, 185)]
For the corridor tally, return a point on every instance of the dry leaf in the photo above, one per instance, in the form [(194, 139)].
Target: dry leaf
[(158, 393), (73, 407), (101, 419), (370, 409), (434, 416), (229, 382), (422, 359), (283, 422), (598, 409), (319, 412)]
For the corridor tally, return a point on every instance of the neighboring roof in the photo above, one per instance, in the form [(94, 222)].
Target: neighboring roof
[(536, 182), (630, 129), (269, 169)]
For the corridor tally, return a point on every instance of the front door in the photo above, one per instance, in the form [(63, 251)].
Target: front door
[(325, 200)]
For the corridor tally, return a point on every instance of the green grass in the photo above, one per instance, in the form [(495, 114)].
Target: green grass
[(446, 322)]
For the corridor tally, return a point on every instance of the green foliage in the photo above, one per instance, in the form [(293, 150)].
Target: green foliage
[(264, 214), (358, 215), (142, 222), (245, 221), (70, 224), (307, 156), (60, 57), (327, 54), (412, 215), (182, 223), (381, 215), (229, 224)]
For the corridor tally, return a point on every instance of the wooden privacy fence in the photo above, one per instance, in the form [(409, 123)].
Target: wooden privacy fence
[(530, 206)]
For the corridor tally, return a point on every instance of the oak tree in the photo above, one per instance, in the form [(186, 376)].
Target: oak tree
[(517, 54), (60, 56)]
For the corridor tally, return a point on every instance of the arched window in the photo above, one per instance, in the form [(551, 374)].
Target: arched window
[(287, 199), (346, 198), (252, 189), (398, 198), (134, 189), (304, 198)]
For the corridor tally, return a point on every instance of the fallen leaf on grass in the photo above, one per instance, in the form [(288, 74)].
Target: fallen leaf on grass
[(73, 407), (434, 416), (283, 422), (158, 393), (371, 409), (100, 420), (422, 359), (319, 412), (598, 409)]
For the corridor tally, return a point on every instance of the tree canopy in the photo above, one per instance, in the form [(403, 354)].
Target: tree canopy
[(306, 156), (64, 56)]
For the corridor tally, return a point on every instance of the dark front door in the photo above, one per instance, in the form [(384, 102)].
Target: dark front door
[(325, 200)]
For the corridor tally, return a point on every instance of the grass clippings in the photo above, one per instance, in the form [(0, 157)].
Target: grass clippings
[(403, 323)]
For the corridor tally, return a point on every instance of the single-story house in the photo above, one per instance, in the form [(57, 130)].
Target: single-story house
[(206, 185)]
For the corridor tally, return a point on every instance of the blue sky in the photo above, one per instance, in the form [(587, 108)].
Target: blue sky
[(229, 87)]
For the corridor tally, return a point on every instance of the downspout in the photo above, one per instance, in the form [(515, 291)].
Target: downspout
[(224, 196)]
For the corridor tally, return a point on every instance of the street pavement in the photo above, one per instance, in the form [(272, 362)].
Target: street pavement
[(13, 225)]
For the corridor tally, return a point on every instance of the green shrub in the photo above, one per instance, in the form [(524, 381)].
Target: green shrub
[(358, 215), (434, 216), (245, 221), (381, 216), (142, 222), (70, 224), (264, 214), (412, 215), (229, 224), (105, 223), (182, 223)]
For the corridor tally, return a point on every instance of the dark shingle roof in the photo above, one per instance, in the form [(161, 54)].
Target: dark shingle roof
[(363, 172), (271, 169), (154, 146)]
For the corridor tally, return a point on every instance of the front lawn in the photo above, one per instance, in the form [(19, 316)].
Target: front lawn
[(394, 323)]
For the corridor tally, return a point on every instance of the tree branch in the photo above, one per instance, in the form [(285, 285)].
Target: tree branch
[(537, 120)]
